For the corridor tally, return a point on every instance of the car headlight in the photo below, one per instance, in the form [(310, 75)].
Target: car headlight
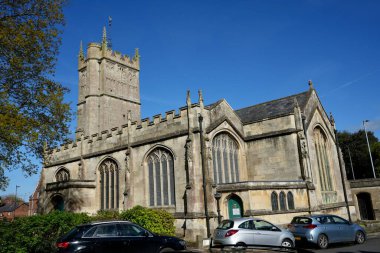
[(182, 243)]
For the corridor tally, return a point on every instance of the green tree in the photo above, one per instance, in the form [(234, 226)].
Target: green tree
[(32, 110), (354, 145), (10, 198)]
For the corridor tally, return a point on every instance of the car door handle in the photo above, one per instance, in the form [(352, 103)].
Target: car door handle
[(257, 233)]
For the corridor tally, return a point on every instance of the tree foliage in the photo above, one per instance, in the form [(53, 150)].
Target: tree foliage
[(32, 110), (355, 145)]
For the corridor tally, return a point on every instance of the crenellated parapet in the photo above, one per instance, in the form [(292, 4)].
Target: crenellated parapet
[(99, 52), (158, 128)]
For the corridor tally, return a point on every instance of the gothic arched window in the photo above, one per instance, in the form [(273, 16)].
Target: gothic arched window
[(109, 184), (321, 147), (62, 175), (274, 200), (225, 153), (282, 201), (290, 201), (161, 178)]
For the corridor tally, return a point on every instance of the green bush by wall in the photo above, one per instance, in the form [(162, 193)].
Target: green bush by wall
[(38, 234)]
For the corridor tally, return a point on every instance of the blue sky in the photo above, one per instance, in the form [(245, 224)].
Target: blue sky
[(247, 52)]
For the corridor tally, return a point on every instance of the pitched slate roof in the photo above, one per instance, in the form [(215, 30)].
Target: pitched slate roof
[(10, 207), (272, 109)]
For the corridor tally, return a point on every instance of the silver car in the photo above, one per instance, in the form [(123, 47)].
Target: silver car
[(245, 232), (324, 229)]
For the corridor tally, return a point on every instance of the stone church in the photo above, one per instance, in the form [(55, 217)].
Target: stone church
[(202, 162)]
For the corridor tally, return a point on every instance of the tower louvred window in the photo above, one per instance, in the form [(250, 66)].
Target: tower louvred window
[(62, 175)]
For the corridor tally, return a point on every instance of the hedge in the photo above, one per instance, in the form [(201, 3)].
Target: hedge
[(38, 234)]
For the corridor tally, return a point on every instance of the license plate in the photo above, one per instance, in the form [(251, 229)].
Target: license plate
[(297, 238)]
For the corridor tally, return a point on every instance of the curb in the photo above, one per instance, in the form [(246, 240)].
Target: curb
[(373, 235), (198, 250)]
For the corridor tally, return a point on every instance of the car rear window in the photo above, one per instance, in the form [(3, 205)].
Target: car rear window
[(226, 224), (75, 233), (301, 220)]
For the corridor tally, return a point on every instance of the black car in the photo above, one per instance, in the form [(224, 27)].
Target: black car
[(116, 237)]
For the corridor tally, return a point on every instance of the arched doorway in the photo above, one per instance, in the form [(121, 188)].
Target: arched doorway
[(235, 207), (58, 203), (365, 206)]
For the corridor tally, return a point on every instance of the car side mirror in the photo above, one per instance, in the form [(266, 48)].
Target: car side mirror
[(275, 229)]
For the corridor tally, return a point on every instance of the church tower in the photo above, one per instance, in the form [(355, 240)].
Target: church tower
[(108, 88)]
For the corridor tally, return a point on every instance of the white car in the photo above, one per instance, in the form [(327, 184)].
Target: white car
[(251, 232)]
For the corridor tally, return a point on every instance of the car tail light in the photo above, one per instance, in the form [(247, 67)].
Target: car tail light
[(290, 225), (63, 245), (310, 226), (231, 232)]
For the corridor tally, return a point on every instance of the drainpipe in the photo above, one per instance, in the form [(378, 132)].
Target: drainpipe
[(200, 118), (342, 175)]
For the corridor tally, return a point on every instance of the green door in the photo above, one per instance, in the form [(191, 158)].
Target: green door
[(234, 208)]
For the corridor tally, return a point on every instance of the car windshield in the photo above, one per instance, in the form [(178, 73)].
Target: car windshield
[(301, 220), (226, 224)]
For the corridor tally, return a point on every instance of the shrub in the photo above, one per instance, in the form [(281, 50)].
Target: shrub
[(157, 221), (106, 215), (37, 234)]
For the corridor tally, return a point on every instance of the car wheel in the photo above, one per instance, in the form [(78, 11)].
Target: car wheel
[(323, 241), (286, 243), (359, 237), (166, 250), (241, 245)]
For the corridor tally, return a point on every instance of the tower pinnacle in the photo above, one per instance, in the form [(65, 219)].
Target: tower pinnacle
[(81, 54), (311, 85), (104, 39)]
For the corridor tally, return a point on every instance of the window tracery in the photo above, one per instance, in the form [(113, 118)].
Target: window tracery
[(62, 175), (321, 147), (109, 185), (225, 153), (161, 178)]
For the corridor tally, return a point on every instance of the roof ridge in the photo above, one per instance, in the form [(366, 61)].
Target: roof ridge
[(274, 100)]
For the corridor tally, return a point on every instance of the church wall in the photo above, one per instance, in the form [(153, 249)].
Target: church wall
[(274, 158), (371, 187), (269, 126)]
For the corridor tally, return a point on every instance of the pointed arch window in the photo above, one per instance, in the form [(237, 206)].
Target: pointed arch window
[(321, 147), (290, 201), (62, 175), (161, 178), (109, 185), (225, 153), (282, 201), (274, 200)]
